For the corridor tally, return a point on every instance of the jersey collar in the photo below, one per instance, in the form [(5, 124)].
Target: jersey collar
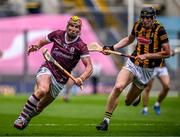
[(68, 42)]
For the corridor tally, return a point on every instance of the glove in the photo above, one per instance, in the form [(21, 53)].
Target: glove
[(108, 48), (32, 48)]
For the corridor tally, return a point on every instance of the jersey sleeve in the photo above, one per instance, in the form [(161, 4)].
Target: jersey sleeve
[(163, 37), (84, 50), (52, 35)]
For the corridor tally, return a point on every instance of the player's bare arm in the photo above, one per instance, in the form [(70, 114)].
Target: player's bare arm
[(37, 46), (88, 68), (165, 52), (124, 42)]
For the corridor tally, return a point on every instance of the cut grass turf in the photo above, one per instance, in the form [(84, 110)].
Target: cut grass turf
[(80, 116)]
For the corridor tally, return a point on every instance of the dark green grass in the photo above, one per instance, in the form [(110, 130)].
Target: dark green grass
[(80, 116)]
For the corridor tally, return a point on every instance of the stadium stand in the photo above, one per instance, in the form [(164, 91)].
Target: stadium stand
[(108, 18)]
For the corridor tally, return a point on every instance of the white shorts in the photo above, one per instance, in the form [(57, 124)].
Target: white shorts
[(141, 75), (160, 71), (55, 86)]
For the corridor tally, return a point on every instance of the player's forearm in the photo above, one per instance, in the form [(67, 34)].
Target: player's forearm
[(88, 68), (87, 72), (158, 55), (123, 43), (41, 43)]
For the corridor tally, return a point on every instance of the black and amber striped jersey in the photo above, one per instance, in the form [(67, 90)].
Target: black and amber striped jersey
[(149, 41)]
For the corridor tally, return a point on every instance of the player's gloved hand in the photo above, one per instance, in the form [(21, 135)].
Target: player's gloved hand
[(107, 48), (32, 48), (141, 57)]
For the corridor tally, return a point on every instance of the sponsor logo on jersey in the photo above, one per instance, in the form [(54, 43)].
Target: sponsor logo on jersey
[(65, 45), (143, 40), (72, 49)]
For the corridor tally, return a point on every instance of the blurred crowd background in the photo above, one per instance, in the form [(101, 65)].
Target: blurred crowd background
[(22, 22)]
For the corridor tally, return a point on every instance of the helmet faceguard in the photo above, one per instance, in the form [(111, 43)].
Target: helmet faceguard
[(73, 27), (148, 16), (148, 12)]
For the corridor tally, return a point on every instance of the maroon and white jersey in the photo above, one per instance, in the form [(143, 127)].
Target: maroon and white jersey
[(66, 53)]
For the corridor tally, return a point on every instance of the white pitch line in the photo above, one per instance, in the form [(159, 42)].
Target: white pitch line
[(132, 124)]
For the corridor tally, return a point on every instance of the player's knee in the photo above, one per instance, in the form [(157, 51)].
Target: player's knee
[(42, 91), (119, 88)]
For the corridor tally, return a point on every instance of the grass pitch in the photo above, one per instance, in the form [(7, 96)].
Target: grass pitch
[(80, 116)]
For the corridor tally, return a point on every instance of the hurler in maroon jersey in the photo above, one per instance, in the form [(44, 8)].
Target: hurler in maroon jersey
[(68, 48)]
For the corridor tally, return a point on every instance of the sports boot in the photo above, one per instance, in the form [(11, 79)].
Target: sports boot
[(103, 126), (137, 101), (157, 110), (21, 123)]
